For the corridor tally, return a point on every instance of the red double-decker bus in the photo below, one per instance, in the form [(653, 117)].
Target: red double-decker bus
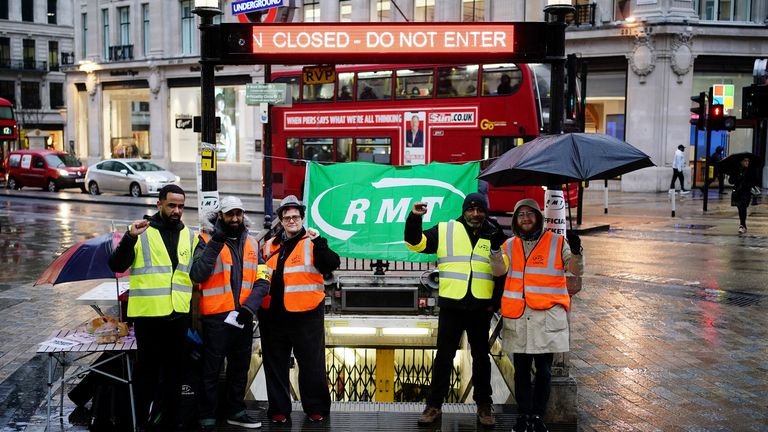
[(410, 114), (8, 132)]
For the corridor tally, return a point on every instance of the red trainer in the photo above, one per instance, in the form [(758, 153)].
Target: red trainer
[(279, 418), (316, 417)]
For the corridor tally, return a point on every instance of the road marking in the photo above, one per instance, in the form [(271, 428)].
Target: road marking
[(650, 278)]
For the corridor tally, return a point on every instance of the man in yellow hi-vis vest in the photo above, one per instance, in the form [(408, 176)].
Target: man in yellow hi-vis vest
[(233, 280), (158, 251), (466, 297)]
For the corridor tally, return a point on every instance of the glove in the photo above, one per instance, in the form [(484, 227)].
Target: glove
[(218, 231), (574, 242), (244, 316), (498, 239)]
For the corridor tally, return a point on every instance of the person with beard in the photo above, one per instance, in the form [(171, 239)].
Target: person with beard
[(233, 281), (535, 305), (293, 317), (466, 297), (158, 251)]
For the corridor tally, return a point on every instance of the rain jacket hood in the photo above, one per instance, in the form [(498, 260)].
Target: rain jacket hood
[(535, 206)]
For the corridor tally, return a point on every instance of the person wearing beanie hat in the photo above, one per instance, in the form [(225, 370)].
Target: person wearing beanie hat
[(233, 280), (534, 305), (465, 295), (677, 170)]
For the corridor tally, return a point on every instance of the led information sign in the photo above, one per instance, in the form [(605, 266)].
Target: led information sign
[(323, 43)]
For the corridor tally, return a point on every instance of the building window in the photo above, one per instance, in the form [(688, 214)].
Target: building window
[(52, 11), (29, 53), (382, 10), (27, 11), (105, 40), (187, 28), (30, 95), (84, 19), (311, 10), (53, 55), (424, 11), (623, 10), (4, 9), (5, 52), (57, 94), (124, 13), (345, 10), (145, 28), (473, 10), (724, 10), (7, 91)]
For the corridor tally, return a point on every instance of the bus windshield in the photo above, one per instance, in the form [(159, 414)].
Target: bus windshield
[(6, 113)]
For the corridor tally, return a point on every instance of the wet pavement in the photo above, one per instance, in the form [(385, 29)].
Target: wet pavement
[(669, 332)]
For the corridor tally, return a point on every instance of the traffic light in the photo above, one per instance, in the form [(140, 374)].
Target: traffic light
[(716, 117), (701, 111)]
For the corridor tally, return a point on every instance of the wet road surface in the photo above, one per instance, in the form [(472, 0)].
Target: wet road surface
[(669, 333)]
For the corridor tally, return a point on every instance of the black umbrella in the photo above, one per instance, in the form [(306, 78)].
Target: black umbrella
[(732, 163), (567, 158)]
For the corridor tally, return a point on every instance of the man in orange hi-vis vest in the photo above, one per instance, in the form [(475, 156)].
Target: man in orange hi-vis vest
[(233, 281), (294, 317), (534, 305)]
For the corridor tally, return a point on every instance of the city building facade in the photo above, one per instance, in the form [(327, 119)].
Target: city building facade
[(36, 44), (135, 85)]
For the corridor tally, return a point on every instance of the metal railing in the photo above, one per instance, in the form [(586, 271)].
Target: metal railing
[(121, 52), (67, 58), (24, 65)]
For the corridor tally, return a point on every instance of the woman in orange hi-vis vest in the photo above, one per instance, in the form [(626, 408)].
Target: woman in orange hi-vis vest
[(535, 305), (233, 280), (294, 317)]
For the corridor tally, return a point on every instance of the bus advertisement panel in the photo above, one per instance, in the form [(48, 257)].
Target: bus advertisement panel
[(410, 115)]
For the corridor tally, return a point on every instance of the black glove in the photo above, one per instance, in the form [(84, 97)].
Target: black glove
[(498, 239), (219, 234), (244, 316), (574, 242)]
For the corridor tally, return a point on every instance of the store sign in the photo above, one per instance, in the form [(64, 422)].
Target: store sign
[(184, 122), (361, 207), (723, 94), (246, 6), (353, 119), (395, 39)]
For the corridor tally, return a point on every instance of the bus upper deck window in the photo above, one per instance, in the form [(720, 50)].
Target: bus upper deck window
[(501, 79), (375, 85), (317, 92), (293, 83), (346, 84), (457, 81), (413, 83)]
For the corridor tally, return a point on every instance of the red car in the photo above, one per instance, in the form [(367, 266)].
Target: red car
[(48, 169)]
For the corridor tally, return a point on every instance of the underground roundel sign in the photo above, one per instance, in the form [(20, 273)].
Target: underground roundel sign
[(361, 207)]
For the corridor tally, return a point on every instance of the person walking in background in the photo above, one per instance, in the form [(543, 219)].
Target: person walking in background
[(714, 161), (293, 317), (465, 297), (233, 281), (677, 170), (535, 305), (743, 180), (158, 251)]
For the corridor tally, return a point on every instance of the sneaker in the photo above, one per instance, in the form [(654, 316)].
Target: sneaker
[(279, 418), (537, 424), (685, 192), (671, 191), (742, 229), (316, 417), (485, 415), (521, 425), (244, 420), (429, 416)]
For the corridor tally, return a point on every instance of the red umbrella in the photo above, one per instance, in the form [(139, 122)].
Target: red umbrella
[(85, 260)]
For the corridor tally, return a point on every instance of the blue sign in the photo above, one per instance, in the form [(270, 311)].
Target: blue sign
[(246, 6)]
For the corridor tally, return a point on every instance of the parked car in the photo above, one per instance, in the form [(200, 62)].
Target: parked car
[(49, 169), (134, 176)]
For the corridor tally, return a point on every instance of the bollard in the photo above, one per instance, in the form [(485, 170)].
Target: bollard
[(672, 197)]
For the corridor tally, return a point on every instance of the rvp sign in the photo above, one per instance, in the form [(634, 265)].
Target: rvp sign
[(319, 74)]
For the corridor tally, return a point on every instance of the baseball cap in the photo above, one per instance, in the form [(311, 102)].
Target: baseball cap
[(230, 203)]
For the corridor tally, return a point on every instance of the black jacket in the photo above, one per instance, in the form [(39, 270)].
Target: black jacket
[(325, 261), (488, 230), (743, 180)]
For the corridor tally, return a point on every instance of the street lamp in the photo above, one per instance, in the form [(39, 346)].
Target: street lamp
[(208, 195)]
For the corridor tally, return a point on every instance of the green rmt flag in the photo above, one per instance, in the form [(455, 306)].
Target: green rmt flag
[(361, 207)]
